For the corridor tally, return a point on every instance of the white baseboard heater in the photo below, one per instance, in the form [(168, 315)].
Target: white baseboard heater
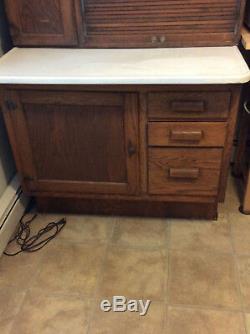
[(12, 206)]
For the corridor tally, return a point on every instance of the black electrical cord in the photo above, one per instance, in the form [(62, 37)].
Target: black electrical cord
[(36, 242)]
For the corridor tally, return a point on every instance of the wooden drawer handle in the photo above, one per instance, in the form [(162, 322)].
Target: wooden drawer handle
[(188, 106), (181, 135), (184, 173)]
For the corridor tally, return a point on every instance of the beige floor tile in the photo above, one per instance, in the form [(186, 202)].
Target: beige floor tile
[(19, 270), (195, 321), (247, 317), (78, 228), (71, 268), (198, 278), (241, 232), (136, 274), (222, 214), (132, 323), (200, 236), (232, 206), (232, 200), (141, 232), (233, 188), (6, 326), (244, 271), (10, 303), (50, 314), (81, 228)]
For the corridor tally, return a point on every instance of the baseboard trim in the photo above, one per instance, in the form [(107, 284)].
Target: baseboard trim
[(128, 208), (13, 204)]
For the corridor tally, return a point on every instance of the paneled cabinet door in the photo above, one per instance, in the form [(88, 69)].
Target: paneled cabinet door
[(74, 142), (42, 22)]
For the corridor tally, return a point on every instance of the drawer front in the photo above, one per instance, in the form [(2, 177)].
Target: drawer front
[(189, 105), (184, 171), (187, 134)]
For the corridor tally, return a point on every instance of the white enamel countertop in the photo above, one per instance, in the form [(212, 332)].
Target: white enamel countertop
[(216, 65)]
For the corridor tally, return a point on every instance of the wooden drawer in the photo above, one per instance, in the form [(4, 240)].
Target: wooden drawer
[(184, 171), (187, 134), (189, 105)]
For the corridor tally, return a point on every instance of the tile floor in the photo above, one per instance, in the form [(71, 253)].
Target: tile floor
[(196, 273)]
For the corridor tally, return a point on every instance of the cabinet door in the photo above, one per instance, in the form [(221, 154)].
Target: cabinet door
[(42, 22), (75, 142)]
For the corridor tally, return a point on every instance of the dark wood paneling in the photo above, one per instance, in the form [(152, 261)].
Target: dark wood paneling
[(77, 143), (161, 23), (42, 22)]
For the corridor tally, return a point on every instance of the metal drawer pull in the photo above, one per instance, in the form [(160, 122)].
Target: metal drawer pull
[(179, 135), (246, 107), (188, 106), (184, 173)]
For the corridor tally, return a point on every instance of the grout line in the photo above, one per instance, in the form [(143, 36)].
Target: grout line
[(197, 252), (168, 234), (166, 270), (112, 232), (18, 312), (142, 248), (245, 322), (206, 307), (167, 296), (237, 276), (100, 277), (201, 251), (166, 318)]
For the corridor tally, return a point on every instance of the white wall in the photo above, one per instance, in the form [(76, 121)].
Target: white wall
[(7, 167)]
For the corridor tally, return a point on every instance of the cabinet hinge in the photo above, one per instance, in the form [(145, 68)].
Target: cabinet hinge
[(10, 105)]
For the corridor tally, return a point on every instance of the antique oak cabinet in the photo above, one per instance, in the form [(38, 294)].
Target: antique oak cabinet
[(125, 23), (120, 120)]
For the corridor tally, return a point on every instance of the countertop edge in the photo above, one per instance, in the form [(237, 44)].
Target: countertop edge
[(122, 81)]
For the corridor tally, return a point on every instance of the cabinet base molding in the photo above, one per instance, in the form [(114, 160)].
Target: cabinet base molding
[(128, 208)]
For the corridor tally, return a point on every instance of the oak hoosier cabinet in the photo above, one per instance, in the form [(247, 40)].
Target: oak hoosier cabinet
[(144, 131)]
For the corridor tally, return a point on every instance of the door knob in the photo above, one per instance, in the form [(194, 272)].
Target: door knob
[(131, 149)]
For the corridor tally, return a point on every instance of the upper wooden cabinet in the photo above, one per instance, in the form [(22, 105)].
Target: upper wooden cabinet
[(42, 22), (162, 23), (125, 23)]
